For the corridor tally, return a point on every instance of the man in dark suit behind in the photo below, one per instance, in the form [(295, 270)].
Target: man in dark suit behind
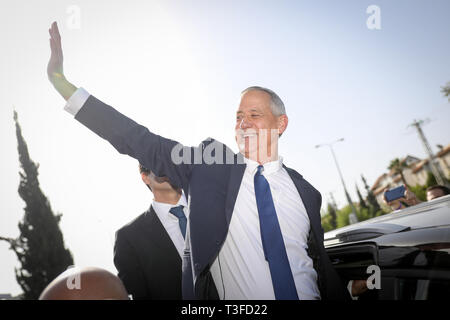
[(147, 251)]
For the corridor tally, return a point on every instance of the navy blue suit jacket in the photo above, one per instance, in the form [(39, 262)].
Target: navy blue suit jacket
[(212, 189)]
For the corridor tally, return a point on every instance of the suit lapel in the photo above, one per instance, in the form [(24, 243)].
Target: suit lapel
[(234, 184), (158, 234), (308, 199)]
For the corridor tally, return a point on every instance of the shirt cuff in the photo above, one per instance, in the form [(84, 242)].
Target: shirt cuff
[(349, 288), (76, 101)]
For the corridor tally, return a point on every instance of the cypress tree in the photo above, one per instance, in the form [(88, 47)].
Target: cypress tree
[(332, 213), (362, 203), (40, 246), (371, 200)]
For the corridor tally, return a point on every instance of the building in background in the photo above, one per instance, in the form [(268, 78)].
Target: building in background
[(415, 173), (443, 157)]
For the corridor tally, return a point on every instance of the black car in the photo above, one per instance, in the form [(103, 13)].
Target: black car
[(410, 248)]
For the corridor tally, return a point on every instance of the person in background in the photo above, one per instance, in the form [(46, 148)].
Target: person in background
[(88, 283), (148, 250), (437, 191), (410, 199)]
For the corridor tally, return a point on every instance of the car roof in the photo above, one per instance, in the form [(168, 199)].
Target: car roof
[(434, 213)]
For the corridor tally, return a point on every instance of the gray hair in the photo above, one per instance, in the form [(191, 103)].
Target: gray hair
[(276, 105)]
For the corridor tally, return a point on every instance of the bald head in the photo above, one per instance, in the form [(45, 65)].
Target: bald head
[(88, 283)]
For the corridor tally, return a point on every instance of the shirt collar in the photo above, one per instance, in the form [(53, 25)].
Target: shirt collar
[(269, 167), (163, 208)]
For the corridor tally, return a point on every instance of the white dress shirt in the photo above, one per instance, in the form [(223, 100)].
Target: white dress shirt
[(170, 222), (240, 271)]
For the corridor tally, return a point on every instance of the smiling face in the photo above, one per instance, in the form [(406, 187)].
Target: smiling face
[(257, 128)]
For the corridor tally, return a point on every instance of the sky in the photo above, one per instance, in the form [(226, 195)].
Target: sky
[(178, 68)]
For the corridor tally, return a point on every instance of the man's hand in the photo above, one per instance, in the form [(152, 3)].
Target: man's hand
[(408, 198), (359, 287), (55, 71), (55, 64)]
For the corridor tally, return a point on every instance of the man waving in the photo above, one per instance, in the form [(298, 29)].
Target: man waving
[(254, 229)]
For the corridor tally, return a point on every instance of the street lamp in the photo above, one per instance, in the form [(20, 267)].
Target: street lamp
[(352, 217)]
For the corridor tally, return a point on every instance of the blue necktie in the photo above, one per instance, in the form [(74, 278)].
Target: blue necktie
[(182, 221), (272, 241)]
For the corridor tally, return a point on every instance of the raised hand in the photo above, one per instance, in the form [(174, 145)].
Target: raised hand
[(409, 198), (55, 64), (55, 71)]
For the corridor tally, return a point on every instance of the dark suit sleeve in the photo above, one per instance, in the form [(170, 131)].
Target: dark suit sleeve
[(128, 137), (127, 265)]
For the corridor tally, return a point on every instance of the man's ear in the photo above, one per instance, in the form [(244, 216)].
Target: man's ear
[(145, 178), (282, 124)]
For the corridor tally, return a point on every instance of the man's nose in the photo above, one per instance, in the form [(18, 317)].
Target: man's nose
[(245, 124)]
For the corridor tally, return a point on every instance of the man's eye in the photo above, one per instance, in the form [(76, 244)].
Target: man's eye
[(255, 115)]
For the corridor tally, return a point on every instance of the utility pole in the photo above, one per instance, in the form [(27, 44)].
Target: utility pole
[(353, 218), (434, 169)]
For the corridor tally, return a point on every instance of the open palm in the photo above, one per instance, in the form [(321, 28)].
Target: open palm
[(55, 64)]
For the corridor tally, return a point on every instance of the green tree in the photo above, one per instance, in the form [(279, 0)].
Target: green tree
[(446, 90), (326, 223), (329, 220), (343, 216), (344, 213), (364, 214), (431, 180), (398, 166), (332, 213), (374, 206), (40, 245), (362, 203), (420, 192)]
